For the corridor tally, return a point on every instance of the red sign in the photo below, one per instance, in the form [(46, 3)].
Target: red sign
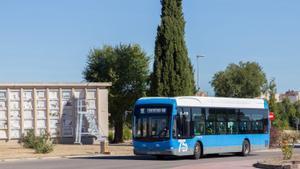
[(271, 116)]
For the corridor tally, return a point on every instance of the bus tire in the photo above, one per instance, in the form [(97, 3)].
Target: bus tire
[(245, 148), (197, 151)]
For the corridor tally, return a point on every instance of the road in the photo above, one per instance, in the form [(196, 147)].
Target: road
[(143, 162)]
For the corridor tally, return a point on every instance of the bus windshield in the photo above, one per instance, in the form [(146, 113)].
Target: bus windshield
[(152, 123)]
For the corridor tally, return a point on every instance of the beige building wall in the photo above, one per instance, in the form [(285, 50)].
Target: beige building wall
[(50, 107)]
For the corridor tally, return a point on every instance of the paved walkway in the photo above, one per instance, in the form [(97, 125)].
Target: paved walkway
[(242, 164), (16, 151)]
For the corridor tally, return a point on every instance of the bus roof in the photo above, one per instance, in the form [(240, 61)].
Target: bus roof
[(219, 102)]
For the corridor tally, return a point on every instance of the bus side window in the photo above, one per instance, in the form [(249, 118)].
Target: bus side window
[(210, 122), (258, 121), (221, 123), (232, 123), (253, 121), (245, 119), (198, 121)]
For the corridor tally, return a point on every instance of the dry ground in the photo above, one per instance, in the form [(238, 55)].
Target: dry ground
[(15, 150), (280, 161)]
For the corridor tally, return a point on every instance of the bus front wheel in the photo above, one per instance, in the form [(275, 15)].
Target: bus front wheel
[(246, 148), (197, 151)]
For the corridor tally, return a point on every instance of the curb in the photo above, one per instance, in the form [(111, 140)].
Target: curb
[(269, 150), (270, 166), (49, 158)]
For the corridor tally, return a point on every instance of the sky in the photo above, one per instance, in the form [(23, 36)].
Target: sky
[(48, 41)]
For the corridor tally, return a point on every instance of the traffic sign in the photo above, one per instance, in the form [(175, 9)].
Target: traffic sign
[(271, 116)]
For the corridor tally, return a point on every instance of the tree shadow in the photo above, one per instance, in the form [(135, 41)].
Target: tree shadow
[(128, 157), (153, 158), (227, 155)]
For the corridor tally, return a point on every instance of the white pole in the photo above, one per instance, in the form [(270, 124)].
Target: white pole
[(198, 78)]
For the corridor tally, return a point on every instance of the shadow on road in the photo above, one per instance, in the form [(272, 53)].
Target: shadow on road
[(129, 157), (226, 155), (153, 158)]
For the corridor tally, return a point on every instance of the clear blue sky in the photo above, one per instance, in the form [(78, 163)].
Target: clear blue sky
[(48, 41)]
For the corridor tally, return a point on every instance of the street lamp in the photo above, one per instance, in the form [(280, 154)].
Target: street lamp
[(198, 79)]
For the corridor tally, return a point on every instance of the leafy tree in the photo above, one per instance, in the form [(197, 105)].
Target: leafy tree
[(245, 79), (286, 113), (272, 92), (297, 108), (273, 106), (126, 66), (172, 71)]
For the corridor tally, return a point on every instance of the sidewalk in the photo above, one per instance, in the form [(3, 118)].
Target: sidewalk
[(242, 164), (16, 151)]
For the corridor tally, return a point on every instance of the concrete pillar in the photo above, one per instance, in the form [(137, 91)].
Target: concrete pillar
[(8, 114), (22, 110), (35, 112), (102, 101)]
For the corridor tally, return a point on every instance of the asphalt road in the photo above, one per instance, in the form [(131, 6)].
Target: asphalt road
[(142, 162)]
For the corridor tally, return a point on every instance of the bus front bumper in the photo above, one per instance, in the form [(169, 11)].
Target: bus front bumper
[(147, 152)]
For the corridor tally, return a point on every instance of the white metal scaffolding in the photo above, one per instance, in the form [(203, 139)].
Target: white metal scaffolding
[(91, 119)]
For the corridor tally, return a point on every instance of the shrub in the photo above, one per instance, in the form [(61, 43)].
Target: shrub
[(126, 133), (111, 136), (287, 145), (28, 139), (287, 151), (41, 144)]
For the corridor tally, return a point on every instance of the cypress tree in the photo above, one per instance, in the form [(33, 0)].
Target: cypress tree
[(172, 70)]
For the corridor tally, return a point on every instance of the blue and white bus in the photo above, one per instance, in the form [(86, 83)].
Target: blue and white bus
[(195, 126)]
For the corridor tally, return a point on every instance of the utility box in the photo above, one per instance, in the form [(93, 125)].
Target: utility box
[(51, 108)]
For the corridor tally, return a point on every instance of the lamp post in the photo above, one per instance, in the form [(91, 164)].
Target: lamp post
[(198, 79)]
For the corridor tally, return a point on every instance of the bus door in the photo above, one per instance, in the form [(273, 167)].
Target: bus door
[(182, 132)]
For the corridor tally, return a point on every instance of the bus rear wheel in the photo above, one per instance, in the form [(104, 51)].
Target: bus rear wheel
[(197, 151), (246, 148)]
